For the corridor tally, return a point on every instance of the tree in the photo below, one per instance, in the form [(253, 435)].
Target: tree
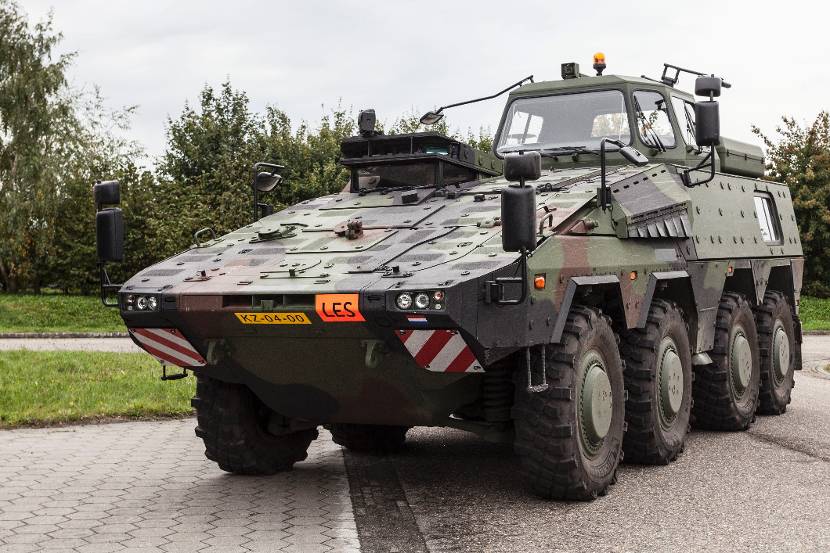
[(54, 142), (204, 174), (37, 126), (800, 158)]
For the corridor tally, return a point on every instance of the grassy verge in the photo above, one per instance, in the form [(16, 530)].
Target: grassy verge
[(815, 314), (57, 313), (49, 387)]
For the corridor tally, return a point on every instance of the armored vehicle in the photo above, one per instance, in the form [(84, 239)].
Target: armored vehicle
[(612, 273)]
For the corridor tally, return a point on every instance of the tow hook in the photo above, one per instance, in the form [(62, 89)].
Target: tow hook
[(375, 350), (543, 385), (175, 376)]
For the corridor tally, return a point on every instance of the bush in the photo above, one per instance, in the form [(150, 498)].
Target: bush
[(800, 158)]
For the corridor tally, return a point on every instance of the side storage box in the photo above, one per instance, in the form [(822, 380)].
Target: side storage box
[(740, 158)]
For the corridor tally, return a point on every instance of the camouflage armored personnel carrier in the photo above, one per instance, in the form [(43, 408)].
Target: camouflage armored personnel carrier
[(628, 262)]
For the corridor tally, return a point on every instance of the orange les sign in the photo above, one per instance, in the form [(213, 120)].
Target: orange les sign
[(338, 308)]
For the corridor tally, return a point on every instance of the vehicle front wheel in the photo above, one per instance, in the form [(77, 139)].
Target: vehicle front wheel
[(569, 436), (233, 423)]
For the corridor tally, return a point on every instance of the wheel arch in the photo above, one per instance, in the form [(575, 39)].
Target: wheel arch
[(622, 302)]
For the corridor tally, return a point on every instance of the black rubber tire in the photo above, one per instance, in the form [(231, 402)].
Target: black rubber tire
[(717, 404), (232, 424), (548, 426), (775, 392), (369, 438), (651, 438)]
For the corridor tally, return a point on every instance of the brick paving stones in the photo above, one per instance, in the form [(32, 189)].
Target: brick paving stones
[(147, 487)]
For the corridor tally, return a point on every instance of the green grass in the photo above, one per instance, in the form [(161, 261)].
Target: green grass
[(57, 313), (815, 314), (51, 387)]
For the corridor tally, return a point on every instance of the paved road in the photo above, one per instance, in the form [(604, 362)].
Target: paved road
[(119, 345), (146, 487)]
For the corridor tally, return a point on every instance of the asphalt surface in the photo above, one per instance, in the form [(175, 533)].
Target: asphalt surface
[(767, 489), (118, 345)]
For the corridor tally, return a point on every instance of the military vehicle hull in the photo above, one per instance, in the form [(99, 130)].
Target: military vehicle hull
[(319, 371), (610, 297)]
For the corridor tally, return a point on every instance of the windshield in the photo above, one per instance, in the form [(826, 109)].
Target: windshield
[(565, 120)]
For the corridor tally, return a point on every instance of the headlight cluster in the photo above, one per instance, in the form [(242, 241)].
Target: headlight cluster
[(420, 300), (135, 302)]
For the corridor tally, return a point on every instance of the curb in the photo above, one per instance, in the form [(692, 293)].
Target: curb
[(816, 333), (53, 335)]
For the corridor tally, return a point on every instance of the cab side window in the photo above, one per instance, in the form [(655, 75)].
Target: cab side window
[(685, 113), (767, 219), (653, 121)]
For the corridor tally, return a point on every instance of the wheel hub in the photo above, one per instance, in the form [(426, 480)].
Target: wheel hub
[(780, 351), (740, 357), (597, 402), (670, 376)]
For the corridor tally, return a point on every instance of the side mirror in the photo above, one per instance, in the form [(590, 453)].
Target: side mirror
[(109, 234), (518, 218), (109, 221), (518, 202), (634, 156), (265, 182), (431, 117), (522, 167), (707, 113), (107, 192), (707, 123)]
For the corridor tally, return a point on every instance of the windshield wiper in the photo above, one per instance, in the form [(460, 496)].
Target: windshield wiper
[(567, 150), (649, 130)]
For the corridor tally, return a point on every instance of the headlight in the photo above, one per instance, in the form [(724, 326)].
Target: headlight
[(135, 302), (404, 301), (421, 301)]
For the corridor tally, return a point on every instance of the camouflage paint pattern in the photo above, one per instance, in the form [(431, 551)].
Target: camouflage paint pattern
[(659, 237)]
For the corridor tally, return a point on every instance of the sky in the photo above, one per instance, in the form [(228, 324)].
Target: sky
[(399, 57)]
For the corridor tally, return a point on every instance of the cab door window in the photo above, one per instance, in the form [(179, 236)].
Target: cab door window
[(653, 121), (684, 110)]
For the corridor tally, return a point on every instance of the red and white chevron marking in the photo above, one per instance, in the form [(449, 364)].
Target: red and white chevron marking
[(443, 351), (169, 346)]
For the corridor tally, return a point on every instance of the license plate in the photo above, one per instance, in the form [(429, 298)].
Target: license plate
[(273, 318)]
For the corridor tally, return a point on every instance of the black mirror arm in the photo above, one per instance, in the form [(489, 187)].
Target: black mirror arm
[(483, 98), (603, 199), (107, 287), (709, 160)]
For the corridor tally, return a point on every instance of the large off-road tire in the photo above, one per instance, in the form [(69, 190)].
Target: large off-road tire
[(776, 341), (369, 438), (569, 437), (658, 378), (233, 424), (726, 391)]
